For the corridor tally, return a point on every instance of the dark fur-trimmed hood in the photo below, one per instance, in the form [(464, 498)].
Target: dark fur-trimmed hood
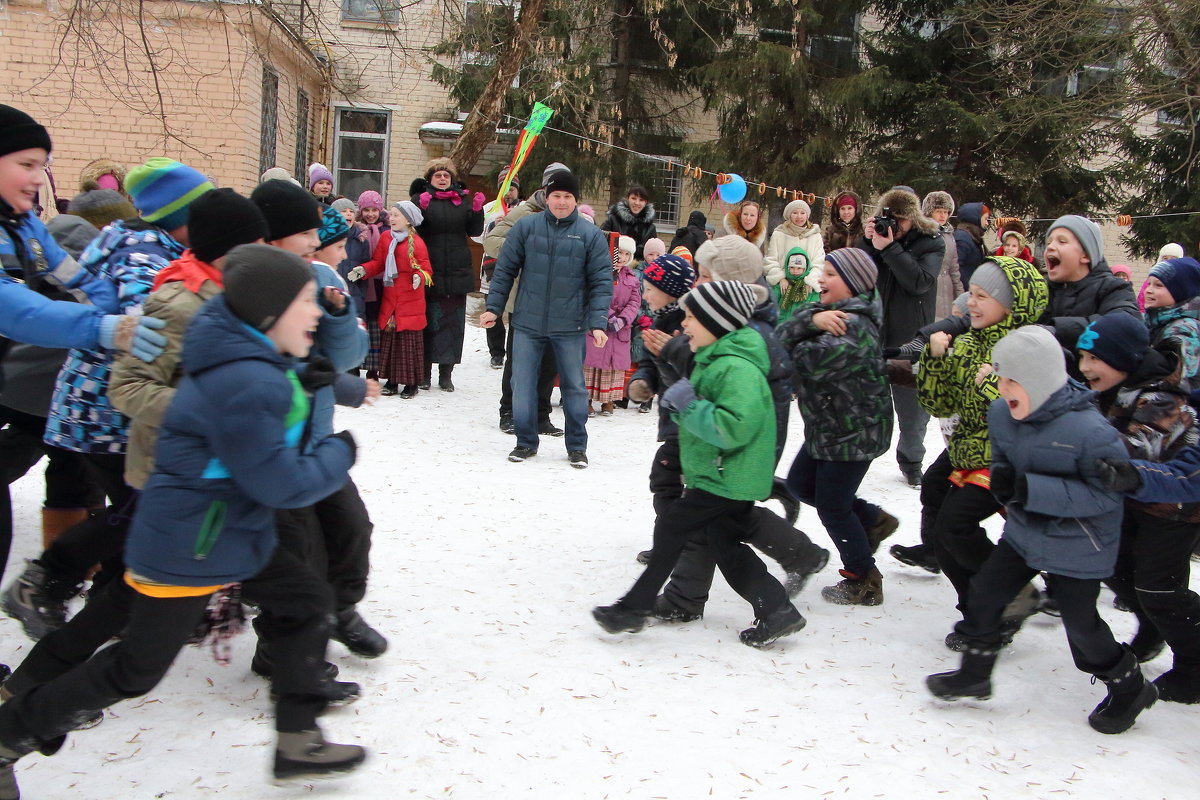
[(622, 211)]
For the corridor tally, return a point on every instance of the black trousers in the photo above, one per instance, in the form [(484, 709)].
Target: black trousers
[(960, 544), (333, 537), (21, 447), (548, 371), (666, 476), (725, 523), (100, 539), (496, 339), (64, 681), (1004, 574), (1152, 575)]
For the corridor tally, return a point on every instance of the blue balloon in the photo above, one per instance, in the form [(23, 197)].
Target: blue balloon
[(734, 191)]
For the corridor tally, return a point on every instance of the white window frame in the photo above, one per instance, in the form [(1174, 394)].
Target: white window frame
[(339, 134)]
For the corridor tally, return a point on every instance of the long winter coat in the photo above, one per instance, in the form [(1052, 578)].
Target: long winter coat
[(228, 454), (639, 227), (401, 300), (625, 304), (947, 385), (783, 239), (950, 283), (727, 434), (450, 217), (908, 276), (1150, 410), (1069, 524), (841, 384), (838, 234), (566, 275)]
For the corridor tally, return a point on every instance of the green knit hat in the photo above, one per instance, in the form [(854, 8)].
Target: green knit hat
[(162, 190)]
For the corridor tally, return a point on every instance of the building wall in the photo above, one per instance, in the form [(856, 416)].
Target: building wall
[(99, 99)]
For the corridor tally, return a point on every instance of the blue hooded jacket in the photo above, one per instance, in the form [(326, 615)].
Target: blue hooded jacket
[(1069, 524), (229, 452)]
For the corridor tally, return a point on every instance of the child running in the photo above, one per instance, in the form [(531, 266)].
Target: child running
[(1047, 438)]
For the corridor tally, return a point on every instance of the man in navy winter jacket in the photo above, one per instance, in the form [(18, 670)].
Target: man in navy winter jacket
[(566, 287)]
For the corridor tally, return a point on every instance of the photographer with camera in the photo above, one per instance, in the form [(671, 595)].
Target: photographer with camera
[(908, 249)]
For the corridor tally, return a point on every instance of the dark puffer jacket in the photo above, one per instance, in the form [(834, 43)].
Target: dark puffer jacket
[(1069, 524), (948, 385), (565, 271), (639, 227), (229, 451), (968, 240), (841, 385), (445, 230), (908, 278), (1074, 305)]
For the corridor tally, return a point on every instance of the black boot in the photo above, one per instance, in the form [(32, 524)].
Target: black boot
[(619, 618), (1181, 684), (359, 637), (667, 611), (919, 555), (8, 777), (807, 564), (262, 666), (389, 389), (38, 599), (973, 678), (791, 506), (408, 392), (444, 373), (1128, 695), (1147, 643), (784, 621), (306, 754), (426, 377)]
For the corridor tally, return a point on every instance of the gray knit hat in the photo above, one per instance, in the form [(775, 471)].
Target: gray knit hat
[(1087, 232), (1032, 357), (101, 207), (960, 302), (731, 258), (991, 278), (723, 306), (344, 204), (855, 268), (262, 281)]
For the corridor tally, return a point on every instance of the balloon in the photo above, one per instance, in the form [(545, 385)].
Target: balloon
[(734, 191)]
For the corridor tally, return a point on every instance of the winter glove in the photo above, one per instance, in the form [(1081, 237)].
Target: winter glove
[(317, 374), (639, 391), (333, 300), (135, 335), (678, 396), (615, 324), (644, 322), (477, 201), (416, 281), (348, 438), (423, 200), (356, 274), (1007, 485), (1118, 475)]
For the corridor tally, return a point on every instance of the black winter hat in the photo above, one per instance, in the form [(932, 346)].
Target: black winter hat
[(19, 131), (220, 220), (262, 281), (288, 208), (563, 181)]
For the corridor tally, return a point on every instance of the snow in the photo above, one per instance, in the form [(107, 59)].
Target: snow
[(499, 684)]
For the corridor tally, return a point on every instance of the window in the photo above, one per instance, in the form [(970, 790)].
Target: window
[(382, 11), (1110, 58), (269, 119), (302, 128), (833, 49), (667, 188), (360, 150)]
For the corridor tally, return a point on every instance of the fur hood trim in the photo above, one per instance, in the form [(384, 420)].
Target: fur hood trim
[(733, 226), (625, 214)]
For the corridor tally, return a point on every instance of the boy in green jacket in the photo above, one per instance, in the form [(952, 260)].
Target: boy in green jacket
[(727, 449)]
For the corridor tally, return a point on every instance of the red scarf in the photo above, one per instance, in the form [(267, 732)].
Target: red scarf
[(189, 269)]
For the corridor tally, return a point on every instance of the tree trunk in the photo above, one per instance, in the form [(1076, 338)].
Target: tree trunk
[(479, 130)]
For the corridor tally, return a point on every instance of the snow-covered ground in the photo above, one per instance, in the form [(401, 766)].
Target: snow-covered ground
[(499, 684)]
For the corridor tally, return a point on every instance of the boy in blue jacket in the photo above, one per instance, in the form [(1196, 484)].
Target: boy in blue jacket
[(1046, 436), (230, 451)]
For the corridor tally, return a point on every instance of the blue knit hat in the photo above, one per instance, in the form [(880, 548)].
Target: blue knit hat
[(163, 189), (669, 274), (1119, 340), (1181, 276), (333, 227)]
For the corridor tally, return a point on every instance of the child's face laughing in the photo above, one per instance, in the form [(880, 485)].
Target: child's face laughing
[(1100, 375), (293, 332), (1014, 394), (831, 285), (698, 335), (983, 309), (1066, 262)]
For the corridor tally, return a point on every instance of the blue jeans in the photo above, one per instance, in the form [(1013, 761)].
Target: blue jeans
[(526, 359), (831, 487)]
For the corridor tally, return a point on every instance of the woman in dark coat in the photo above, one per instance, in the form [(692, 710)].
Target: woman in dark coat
[(633, 216), (451, 215)]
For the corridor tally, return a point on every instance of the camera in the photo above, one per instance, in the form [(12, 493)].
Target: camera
[(886, 221)]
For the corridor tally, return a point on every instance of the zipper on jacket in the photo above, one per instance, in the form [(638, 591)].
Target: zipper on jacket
[(550, 274), (1091, 538), (210, 529)]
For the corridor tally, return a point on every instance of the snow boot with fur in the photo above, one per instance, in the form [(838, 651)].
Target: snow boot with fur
[(973, 678), (856, 590)]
